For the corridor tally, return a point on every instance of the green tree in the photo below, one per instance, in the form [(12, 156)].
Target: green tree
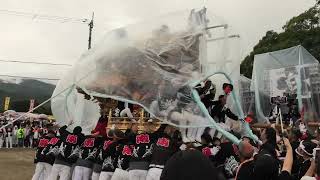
[(300, 30)]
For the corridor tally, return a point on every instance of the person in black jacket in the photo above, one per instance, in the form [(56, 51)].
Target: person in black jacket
[(267, 157), (87, 155), (142, 144), (123, 156), (164, 147), (43, 161), (68, 153), (98, 162), (189, 165), (304, 152), (219, 112), (108, 154)]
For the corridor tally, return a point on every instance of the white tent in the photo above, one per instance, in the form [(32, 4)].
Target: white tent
[(292, 73)]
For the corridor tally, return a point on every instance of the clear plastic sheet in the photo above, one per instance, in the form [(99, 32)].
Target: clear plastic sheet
[(246, 95), (154, 64), (291, 73), (149, 63)]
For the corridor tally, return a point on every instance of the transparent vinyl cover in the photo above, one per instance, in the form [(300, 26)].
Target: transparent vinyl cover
[(292, 73), (150, 64)]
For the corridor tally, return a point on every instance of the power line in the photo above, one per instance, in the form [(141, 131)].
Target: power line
[(34, 16), (25, 77), (31, 62)]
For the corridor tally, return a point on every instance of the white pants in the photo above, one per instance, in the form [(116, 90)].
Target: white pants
[(154, 174), (95, 176), (31, 141), (42, 171), (14, 140), (120, 174), (105, 175), (82, 173), (138, 174), (9, 141), (59, 170), (1, 142)]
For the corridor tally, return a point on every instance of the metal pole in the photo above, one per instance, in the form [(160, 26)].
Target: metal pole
[(90, 31), (221, 38), (218, 26)]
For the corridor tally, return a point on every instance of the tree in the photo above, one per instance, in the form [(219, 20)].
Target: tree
[(300, 30)]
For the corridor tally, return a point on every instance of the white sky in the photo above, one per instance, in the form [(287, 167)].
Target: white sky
[(27, 39)]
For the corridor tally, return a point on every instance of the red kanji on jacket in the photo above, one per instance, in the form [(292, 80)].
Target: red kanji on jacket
[(142, 139), (88, 143), (53, 141), (164, 142), (206, 151), (126, 151), (72, 139), (106, 144), (43, 143)]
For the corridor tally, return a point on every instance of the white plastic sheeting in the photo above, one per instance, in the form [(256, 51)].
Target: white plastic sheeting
[(294, 72)]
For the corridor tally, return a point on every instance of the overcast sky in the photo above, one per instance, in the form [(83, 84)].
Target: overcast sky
[(31, 39)]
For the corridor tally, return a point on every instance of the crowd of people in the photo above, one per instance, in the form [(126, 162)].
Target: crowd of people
[(160, 151), (24, 133)]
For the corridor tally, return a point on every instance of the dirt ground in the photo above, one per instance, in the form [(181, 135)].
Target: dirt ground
[(16, 164)]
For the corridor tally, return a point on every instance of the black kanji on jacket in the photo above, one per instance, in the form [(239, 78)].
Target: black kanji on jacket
[(42, 150)]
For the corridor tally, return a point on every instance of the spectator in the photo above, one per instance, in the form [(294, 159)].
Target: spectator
[(189, 165), (266, 164), (14, 136), (288, 161), (9, 132), (36, 136), (304, 152), (245, 169), (20, 136), (2, 135), (313, 171)]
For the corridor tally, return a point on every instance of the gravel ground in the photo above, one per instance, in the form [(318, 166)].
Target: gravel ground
[(16, 164)]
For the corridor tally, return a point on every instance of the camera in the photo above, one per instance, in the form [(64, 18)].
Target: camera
[(279, 100)]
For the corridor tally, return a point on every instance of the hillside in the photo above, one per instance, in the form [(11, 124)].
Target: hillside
[(22, 91)]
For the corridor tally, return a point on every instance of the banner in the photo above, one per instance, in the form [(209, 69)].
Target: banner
[(6, 103), (31, 104), (283, 81)]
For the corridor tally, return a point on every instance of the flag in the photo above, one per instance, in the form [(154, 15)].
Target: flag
[(31, 104), (6, 103)]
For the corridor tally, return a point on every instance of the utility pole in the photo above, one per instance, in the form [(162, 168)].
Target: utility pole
[(90, 31)]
